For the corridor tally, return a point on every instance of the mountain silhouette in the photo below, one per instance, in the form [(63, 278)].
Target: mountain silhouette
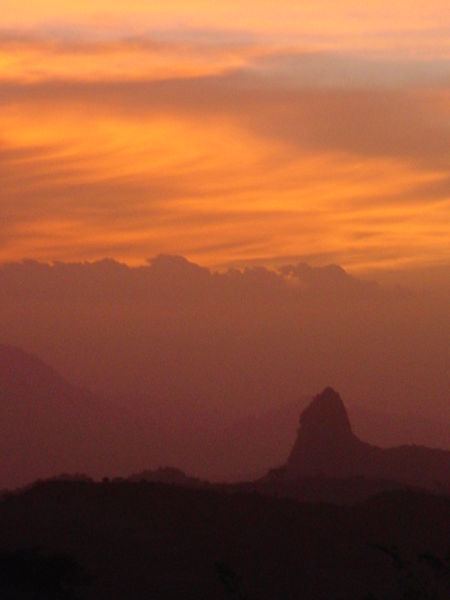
[(326, 446), (48, 425)]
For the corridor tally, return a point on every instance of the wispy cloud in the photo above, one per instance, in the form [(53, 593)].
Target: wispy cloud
[(224, 144)]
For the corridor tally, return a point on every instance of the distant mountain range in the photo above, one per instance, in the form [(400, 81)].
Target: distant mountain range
[(47, 425), (50, 426)]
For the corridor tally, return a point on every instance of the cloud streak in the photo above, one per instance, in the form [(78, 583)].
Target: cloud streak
[(226, 148)]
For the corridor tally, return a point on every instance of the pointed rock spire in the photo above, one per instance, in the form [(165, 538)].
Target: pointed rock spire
[(325, 442)]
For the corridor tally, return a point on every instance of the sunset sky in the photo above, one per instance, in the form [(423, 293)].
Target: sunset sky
[(227, 132)]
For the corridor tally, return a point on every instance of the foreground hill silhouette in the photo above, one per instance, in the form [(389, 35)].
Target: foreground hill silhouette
[(147, 540), (326, 446)]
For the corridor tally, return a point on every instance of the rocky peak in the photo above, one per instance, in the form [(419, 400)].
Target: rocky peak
[(325, 441), (327, 447), (326, 417)]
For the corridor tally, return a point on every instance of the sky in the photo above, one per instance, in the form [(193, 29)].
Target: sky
[(209, 210), (232, 133)]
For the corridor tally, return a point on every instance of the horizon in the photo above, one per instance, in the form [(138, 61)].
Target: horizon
[(180, 360), (327, 424)]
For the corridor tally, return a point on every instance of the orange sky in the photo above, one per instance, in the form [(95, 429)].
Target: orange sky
[(226, 132)]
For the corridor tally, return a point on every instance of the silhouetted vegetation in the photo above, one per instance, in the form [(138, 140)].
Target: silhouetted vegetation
[(231, 581), (30, 574), (426, 577), (145, 541)]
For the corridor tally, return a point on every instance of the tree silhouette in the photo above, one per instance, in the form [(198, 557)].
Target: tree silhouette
[(231, 581), (425, 578), (28, 574)]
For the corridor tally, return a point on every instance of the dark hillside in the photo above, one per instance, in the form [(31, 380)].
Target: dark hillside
[(145, 540)]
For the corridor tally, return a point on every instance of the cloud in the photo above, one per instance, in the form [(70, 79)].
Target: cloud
[(29, 57), (409, 123), (289, 154), (348, 19)]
